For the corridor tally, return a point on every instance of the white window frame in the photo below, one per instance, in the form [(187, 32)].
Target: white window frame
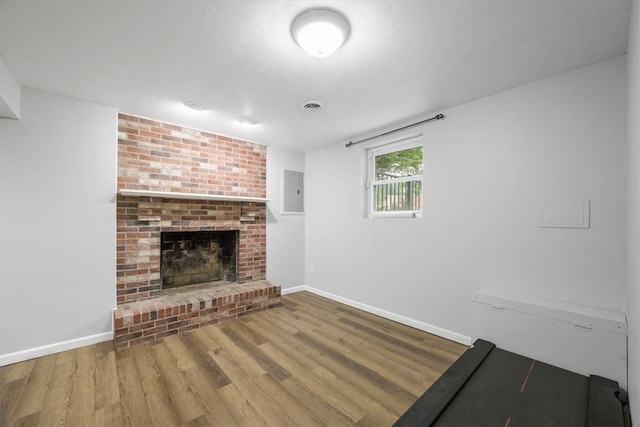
[(404, 144)]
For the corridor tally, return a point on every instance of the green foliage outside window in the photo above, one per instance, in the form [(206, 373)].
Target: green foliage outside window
[(397, 193), (399, 163)]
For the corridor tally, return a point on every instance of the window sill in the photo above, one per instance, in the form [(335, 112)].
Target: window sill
[(402, 214)]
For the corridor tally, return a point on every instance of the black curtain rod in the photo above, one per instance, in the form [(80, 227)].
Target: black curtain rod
[(436, 117)]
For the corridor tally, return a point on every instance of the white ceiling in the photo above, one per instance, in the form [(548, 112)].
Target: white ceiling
[(404, 58)]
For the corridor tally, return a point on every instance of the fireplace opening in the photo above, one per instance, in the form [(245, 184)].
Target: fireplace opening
[(193, 257)]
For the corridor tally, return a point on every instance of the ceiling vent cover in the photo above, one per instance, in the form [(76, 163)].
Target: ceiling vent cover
[(312, 105)]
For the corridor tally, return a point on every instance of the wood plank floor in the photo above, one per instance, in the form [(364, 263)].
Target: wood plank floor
[(311, 362)]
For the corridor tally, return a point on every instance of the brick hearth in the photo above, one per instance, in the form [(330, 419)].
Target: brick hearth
[(193, 307)]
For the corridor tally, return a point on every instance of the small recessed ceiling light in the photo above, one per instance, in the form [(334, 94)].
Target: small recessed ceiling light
[(195, 106), (320, 32), (246, 122)]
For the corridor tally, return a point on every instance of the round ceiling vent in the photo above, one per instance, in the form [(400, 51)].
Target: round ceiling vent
[(312, 105)]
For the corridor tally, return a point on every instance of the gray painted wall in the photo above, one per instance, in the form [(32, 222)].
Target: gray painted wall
[(489, 167), (57, 221)]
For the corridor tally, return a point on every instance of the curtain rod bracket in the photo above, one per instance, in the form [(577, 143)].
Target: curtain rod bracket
[(436, 117)]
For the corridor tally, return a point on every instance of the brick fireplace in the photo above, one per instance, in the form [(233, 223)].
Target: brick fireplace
[(141, 220), (199, 182)]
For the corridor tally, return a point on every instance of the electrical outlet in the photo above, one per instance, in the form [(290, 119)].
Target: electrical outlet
[(312, 271)]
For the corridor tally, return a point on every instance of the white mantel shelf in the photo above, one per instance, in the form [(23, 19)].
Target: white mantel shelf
[(189, 196)]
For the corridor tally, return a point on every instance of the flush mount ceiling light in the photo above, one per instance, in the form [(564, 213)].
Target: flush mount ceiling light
[(320, 32), (245, 121), (195, 106)]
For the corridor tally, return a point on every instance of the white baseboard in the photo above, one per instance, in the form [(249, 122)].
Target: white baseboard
[(32, 353), (293, 290), (435, 330)]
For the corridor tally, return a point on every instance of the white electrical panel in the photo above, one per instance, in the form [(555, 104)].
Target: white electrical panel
[(293, 192)]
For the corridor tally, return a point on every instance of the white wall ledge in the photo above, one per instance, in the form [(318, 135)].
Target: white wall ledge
[(599, 318), (189, 196)]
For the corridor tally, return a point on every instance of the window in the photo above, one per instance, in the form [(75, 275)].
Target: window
[(394, 183)]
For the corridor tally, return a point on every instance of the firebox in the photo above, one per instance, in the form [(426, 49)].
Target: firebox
[(193, 257)]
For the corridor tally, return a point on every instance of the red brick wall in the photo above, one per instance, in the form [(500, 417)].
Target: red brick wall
[(163, 157)]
